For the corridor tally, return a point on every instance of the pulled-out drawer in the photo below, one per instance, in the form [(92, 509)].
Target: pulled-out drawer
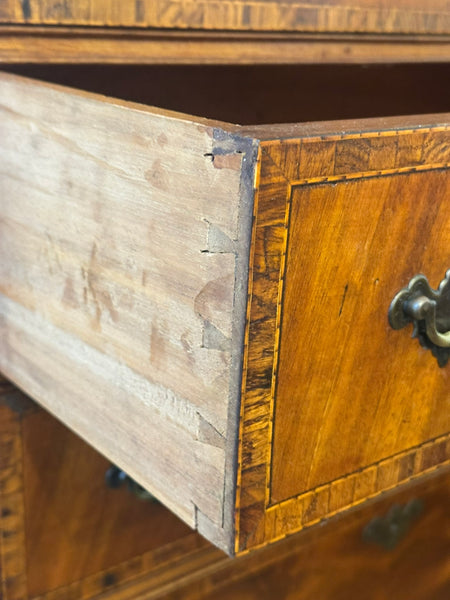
[(207, 304)]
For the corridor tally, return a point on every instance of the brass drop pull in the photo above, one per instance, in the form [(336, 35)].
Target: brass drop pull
[(387, 531), (429, 311), (115, 478)]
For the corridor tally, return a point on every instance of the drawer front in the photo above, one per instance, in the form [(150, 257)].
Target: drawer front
[(370, 16), (338, 406)]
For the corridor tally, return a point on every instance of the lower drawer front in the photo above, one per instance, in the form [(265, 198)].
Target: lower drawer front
[(66, 536), (65, 533), (375, 552)]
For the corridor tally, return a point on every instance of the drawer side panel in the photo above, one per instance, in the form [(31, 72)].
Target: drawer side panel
[(122, 282)]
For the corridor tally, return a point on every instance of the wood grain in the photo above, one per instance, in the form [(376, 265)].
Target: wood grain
[(331, 561), (76, 527), (336, 420), (12, 508), (64, 534), (300, 351), (103, 526), (399, 16), (103, 45), (122, 284)]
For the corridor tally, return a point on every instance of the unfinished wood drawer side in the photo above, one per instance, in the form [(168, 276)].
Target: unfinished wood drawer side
[(124, 236)]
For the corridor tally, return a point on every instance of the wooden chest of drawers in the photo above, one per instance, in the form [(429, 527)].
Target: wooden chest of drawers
[(207, 303), (250, 409), (66, 536), (218, 31)]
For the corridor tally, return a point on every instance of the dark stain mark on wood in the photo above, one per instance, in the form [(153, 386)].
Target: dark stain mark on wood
[(343, 298), (156, 175), (158, 347), (69, 295), (227, 161), (109, 579), (26, 9), (7, 534), (139, 11)]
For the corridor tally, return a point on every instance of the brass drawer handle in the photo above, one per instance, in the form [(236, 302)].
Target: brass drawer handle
[(115, 478), (429, 310), (387, 531)]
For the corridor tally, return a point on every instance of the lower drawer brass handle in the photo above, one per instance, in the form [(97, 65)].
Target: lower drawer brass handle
[(115, 477), (387, 531), (429, 311)]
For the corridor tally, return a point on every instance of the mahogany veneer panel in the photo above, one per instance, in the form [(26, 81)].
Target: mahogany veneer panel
[(349, 391), (374, 16), (217, 31), (337, 406), (64, 534), (331, 561), (75, 525), (104, 45)]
